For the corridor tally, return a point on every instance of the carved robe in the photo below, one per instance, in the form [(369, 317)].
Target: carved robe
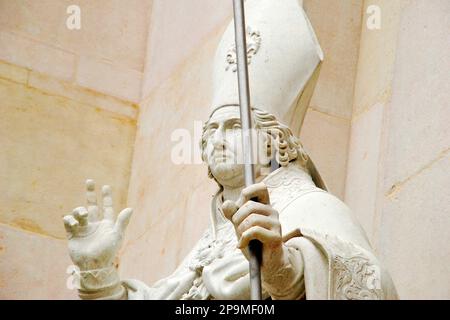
[(327, 248)]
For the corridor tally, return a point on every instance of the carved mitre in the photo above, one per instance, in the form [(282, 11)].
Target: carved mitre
[(284, 58)]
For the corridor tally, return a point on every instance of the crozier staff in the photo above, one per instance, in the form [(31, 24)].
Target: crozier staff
[(244, 103)]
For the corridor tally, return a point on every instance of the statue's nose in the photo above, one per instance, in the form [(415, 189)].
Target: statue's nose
[(219, 144), (219, 141)]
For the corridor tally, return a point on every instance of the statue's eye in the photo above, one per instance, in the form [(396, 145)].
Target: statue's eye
[(212, 129), (236, 126)]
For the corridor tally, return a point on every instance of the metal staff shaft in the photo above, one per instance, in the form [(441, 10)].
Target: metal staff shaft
[(255, 246)]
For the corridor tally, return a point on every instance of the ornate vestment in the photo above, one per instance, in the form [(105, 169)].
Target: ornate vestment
[(328, 249)]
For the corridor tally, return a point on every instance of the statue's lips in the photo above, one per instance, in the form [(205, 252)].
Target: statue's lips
[(222, 157)]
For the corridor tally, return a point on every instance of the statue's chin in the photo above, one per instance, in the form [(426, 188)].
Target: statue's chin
[(228, 174)]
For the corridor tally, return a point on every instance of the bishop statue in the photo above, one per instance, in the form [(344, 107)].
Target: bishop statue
[(312, 246)]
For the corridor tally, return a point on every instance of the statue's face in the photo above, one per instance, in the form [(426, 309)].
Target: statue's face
[(224, 147)]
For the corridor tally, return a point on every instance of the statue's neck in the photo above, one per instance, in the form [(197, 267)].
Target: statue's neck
[(233, 193)]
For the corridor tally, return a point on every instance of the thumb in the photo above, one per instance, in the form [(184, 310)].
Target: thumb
[(229, 208), (122, 220)]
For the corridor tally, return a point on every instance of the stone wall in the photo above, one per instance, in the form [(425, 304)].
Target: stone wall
[(68, 111), (400, 141)]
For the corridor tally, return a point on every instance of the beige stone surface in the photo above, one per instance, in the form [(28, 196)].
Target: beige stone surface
[(25, 52), (420, 113), (171, 43), (106, 55), (33, 266), (109, 78), (50, 144), (338, 27), (71, 91), (414, 238), (373, 87), (413, 223), (14, 73), (328, 147), (377, 56), (114, 30), (363, 168), (157, 252), (398, 156)]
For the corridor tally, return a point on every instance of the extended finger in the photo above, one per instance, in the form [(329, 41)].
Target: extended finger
[(257, 192), (255, 220), (122, 220), (108, 211), (257, 233), (91, 197), (91, 200), (81, 215), (229, 208), (249, 208), (71, 224)]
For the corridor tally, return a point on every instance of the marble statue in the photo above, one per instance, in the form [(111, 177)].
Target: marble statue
[(313, 248)]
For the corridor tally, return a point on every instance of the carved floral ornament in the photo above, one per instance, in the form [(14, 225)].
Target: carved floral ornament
[(253, 45), (356, 279), (354, 275)]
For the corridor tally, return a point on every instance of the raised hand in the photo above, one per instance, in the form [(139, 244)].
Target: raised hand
[(95, 235)]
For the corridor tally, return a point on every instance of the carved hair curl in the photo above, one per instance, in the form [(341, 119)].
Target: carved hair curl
[(288, 147)]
